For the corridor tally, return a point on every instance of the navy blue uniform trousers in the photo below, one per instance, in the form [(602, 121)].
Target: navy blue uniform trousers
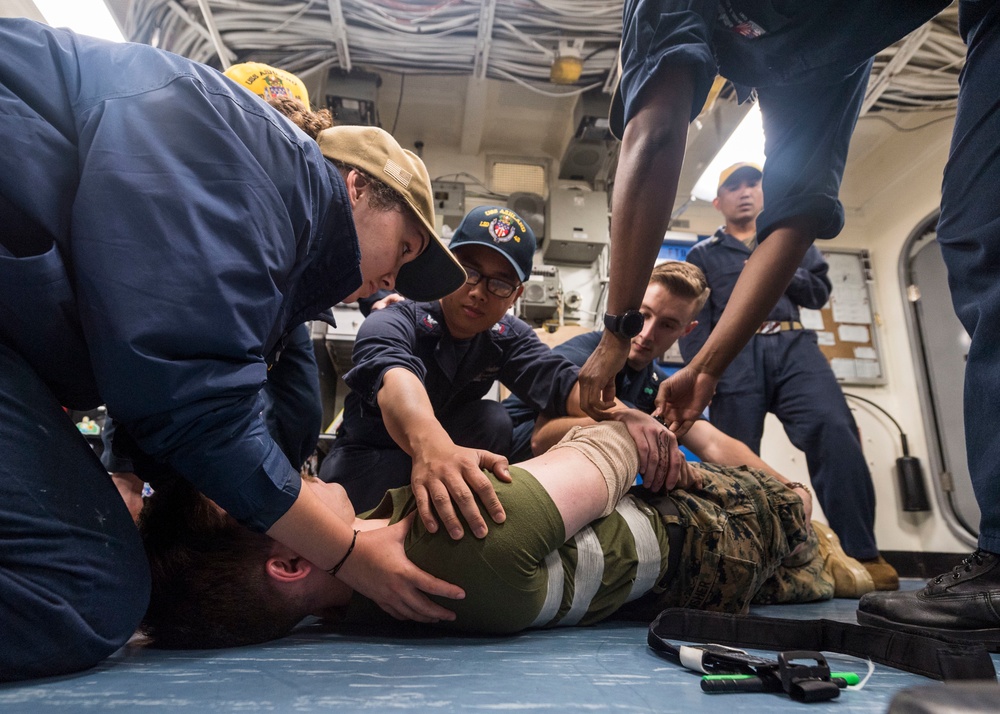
[(791, 378), (74, 582), (969, 234)]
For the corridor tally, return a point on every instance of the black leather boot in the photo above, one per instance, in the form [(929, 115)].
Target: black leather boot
[(963, 605)]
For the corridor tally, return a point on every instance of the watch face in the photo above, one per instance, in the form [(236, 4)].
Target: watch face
[(632, 322)]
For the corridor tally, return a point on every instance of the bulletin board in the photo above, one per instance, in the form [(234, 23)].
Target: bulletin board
[(845, 327)]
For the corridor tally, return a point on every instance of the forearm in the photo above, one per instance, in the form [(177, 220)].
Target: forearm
[(548, 432), (446, 479), (726, 451), (714, 446), (407, 412), (649, 164), (314, 531), (763, 281), (573, 407)]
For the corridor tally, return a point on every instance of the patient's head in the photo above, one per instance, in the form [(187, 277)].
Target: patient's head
[(210, 581)]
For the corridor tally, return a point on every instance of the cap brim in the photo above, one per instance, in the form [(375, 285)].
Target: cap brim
[(434, 274), (740, 174)]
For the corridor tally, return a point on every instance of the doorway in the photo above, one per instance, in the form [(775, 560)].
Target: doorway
[(940, 347)]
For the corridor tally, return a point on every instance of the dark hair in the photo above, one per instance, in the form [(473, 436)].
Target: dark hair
[(312, 123), (209, 584), (683, 279)]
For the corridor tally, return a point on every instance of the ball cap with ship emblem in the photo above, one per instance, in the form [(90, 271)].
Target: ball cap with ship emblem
[(502, 230)]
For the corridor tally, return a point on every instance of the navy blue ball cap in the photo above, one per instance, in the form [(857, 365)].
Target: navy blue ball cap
[(502, 230)]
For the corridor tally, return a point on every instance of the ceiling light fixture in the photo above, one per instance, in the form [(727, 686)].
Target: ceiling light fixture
[(568, 63)]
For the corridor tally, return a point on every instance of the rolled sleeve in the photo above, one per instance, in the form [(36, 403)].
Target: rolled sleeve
[(656, 34), (807, 131)]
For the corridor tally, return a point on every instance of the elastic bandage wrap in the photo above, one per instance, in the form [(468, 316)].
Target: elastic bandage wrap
[(611, 449)]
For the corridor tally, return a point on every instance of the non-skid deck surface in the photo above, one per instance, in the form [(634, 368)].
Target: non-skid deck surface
[(606, 668)]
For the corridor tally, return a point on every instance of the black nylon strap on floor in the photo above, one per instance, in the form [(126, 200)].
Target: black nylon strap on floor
[(927, 656)]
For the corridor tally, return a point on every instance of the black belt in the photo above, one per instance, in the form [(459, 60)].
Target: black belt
[(927, 656)]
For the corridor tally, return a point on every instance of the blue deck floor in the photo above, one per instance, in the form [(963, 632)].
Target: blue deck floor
[(606, 668)]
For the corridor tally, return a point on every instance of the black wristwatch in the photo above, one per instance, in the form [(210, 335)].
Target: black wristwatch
[(627, 325)]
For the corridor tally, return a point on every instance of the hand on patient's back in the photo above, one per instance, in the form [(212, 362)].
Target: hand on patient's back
[(451, 476)]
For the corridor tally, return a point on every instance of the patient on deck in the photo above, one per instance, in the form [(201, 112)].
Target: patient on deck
[(579, 545)]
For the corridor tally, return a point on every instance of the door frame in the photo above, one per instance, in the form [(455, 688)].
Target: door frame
[(928, 412)]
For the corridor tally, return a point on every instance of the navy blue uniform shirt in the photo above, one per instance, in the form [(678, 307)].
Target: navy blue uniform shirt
[(412, 335), (163, 231)]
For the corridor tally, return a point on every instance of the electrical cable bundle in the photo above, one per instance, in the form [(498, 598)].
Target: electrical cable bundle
[(391, 35)]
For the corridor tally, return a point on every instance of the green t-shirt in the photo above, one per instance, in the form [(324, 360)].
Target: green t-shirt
[(524, 573)]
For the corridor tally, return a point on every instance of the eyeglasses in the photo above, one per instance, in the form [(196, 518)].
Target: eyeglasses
[(496, 286)]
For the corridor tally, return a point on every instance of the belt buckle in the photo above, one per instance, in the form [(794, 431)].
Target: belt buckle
[(771, 327)]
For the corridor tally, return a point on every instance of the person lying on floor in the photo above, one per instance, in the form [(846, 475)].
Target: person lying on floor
[(579, 544), (676, 293)]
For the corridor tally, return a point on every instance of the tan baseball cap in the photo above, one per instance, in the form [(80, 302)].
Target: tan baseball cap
[(435, 273), (741, 168), (267, 81)]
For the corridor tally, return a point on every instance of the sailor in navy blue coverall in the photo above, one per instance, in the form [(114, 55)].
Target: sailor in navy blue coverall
[(163, 230), (365, 459), (809, 66), (454, 350), (782, 371)]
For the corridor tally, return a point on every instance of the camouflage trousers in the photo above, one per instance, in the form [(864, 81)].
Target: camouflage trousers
[(740, 530)]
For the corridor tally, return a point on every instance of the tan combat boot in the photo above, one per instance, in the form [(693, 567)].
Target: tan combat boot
[(850, 577), (883, 575)]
